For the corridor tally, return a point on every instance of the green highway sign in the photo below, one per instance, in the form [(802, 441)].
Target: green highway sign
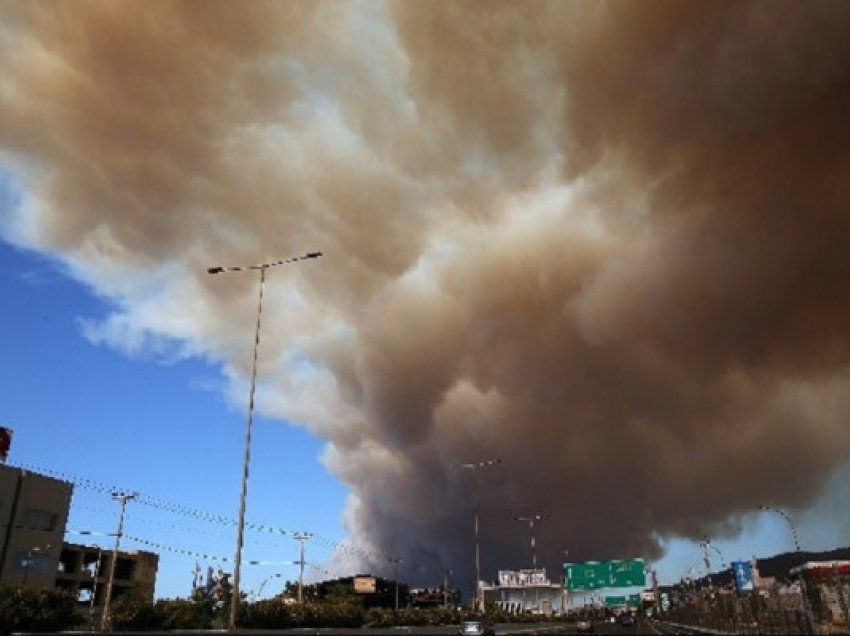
[(590, 575), (594, 575), (629, 573), (615, 601)]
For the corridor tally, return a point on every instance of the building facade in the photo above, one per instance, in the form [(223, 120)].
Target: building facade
[(33, 513), (526, 591), (84, 571)]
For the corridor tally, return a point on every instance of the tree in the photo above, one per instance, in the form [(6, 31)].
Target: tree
[(133, 610), (29, 610)]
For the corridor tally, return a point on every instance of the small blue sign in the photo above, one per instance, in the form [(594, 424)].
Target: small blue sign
[(743, 571)]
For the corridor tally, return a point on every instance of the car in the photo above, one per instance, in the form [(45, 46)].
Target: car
[(476, 627), (627, 620), (584, 625)]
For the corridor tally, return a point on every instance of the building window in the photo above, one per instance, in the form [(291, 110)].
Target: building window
[(39, 519), (33, 561)]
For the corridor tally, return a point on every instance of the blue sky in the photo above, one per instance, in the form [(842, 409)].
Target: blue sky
[(160, 428)]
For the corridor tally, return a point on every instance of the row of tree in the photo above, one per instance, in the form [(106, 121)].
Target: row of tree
[(333, 604)]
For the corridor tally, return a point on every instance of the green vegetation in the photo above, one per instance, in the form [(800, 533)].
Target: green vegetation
[(29, 610), (329, 604)]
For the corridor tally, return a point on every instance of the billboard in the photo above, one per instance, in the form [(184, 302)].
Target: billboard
[(364, 584), (522, 578), (594, 575), (743, 571)]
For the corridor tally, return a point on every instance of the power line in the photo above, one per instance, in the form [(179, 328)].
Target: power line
[(164, 505)]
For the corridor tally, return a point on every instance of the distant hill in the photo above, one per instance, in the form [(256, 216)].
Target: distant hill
[(781, 565), (778, 566)]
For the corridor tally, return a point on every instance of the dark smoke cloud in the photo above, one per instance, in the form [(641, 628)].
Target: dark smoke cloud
[(605, 243)]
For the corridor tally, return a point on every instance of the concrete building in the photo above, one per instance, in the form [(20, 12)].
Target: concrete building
[(827, 584), (84, 570), (526, 591), (33, 513)]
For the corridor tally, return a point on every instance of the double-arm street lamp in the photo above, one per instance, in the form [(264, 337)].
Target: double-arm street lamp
[(782, 514), (531, 521), (237, 561), (476, 466), (808, 626)]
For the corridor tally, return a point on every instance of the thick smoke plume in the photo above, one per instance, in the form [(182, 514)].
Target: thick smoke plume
[(605, 243)]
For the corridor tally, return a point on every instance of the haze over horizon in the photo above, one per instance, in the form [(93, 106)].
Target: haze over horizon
[(603, 242)]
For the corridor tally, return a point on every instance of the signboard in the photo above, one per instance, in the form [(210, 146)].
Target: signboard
[(364, 584), (615, 601), (743, 571), (629, 573), (522, 578), (589, 575), (594, 575)]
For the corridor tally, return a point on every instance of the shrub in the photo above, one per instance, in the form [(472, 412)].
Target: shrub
[(26, 609)]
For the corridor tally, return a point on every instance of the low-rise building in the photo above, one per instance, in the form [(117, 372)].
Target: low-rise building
[(84, 571), (33, 513), (827, 586), (526, 591)]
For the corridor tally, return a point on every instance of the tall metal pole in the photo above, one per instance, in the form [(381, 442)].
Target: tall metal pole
[(446, 573), (474, 466), (397, 562), (237, 560), (123, 498), (531, 521), (302, 537)]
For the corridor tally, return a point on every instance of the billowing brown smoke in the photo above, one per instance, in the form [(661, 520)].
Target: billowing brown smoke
[(605, 243)]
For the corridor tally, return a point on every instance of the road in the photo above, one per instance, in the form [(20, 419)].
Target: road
[(502, 629)]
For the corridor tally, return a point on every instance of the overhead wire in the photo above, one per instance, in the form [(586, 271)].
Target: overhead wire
[(175, 508)]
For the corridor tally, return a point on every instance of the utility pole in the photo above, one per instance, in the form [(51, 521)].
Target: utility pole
[(123, 498), (302, 537), (446, 574)]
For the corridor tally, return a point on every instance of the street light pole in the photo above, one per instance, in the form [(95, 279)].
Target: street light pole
[(473, 466), (808, 627), (531, 521), (123, 498), (782, 514), (237, 561), (396, 562)]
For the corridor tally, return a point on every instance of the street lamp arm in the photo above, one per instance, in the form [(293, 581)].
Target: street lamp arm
[(239, 268)]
